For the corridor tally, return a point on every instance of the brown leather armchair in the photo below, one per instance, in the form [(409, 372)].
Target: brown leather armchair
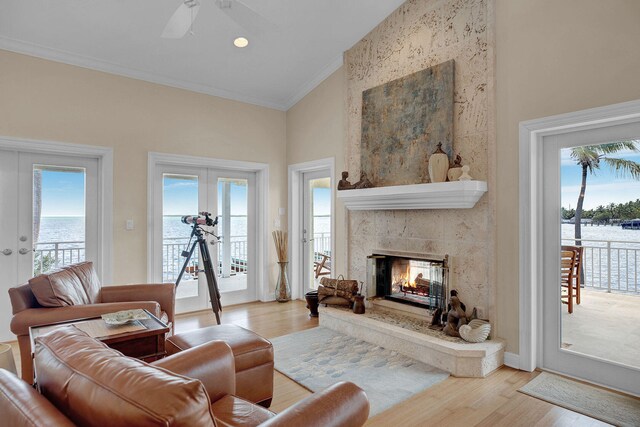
[(75, 292), (93, 385)]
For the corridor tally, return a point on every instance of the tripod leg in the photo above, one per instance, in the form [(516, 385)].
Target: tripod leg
[(186, 262), (212, 283)]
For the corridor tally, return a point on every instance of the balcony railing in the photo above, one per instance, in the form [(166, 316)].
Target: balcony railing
[(321, 245), (172, 259), (610, 265), (51, 255)]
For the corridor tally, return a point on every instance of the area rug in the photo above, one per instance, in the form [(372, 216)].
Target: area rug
[(603, 405), (319, 357)]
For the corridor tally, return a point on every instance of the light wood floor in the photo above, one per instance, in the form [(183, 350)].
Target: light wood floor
[(492, 401)]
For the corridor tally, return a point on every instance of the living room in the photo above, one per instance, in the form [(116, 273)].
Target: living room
[(515, 62)]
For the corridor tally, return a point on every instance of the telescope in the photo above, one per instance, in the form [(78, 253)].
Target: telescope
[(204, 218), (198, 240)]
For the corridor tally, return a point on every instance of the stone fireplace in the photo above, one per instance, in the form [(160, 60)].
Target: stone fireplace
[(420, 280)]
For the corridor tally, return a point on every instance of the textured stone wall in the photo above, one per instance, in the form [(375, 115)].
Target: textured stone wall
[(420, 34)]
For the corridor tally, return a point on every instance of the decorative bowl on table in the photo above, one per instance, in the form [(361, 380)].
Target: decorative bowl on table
[(125, 316)]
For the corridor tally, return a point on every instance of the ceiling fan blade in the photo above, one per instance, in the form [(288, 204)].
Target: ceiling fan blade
[(244, 16), (181, 20)]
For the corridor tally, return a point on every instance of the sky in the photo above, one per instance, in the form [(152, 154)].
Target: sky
[(62, 193), (603, 186), (321, 201), (180, 197)]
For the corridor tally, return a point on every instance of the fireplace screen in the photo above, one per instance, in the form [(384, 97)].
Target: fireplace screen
[(414, 279)]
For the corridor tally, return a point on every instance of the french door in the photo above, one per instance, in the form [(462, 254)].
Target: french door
[(230, 196), (48, 218), (316, 227), (583, 343)]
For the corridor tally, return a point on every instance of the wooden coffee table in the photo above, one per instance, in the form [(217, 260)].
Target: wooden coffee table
[(142, 339)]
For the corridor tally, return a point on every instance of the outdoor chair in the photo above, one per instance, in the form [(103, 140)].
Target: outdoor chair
[(323, 267), (579, 250), (567, 270)]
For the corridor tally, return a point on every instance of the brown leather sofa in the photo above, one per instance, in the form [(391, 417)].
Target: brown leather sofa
[(83, 382), (75, 292)]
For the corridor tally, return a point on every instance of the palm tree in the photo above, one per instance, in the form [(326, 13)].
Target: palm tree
[(590, 156)]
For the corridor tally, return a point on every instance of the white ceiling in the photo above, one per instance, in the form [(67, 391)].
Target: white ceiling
[(279, 67)]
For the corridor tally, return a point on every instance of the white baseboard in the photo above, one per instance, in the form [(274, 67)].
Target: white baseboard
[(512, 360)]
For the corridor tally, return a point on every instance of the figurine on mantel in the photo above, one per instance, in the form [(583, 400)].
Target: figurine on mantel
[(344, 183), (465, 174), (364, 182)]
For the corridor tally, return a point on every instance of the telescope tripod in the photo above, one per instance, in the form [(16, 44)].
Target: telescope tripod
[(210, 274)]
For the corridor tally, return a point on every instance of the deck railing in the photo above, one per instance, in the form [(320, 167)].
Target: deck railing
[(321, 245), (610, 265)]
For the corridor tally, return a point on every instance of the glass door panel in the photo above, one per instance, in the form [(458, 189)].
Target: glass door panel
[(232, 229), (180, 197), (59, 217), (599, 199), (317, 227)]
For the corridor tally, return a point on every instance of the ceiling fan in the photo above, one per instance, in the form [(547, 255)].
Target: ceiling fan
[(181, 22)]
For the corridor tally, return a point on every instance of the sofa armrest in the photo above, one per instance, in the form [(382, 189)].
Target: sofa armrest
[(21, 405), (342, 404), (21, 321), (163, 293), (211, 363)]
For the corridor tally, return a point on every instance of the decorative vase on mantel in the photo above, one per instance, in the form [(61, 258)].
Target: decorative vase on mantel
[(455, 171), (283, 290), (438, 165)]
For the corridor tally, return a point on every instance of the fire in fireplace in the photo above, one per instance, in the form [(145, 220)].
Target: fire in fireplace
[(416, 279)]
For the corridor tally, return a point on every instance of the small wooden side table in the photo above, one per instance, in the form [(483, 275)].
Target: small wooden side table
[(145, 343)]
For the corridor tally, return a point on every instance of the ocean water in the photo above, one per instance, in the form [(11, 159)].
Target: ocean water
[(602, 232), (68, 229)]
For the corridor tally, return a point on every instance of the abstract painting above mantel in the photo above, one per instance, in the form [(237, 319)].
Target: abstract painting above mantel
[(403, 121)]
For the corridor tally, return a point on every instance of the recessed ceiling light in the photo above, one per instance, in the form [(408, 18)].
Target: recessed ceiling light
[(241, 42)]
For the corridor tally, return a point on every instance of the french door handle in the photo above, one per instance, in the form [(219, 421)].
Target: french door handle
[(7, 252)]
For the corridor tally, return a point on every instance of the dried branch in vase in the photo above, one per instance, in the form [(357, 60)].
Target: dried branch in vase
[(281, 241)]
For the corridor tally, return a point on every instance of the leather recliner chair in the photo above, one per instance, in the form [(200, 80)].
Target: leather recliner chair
[(83, 382), (75, 292)]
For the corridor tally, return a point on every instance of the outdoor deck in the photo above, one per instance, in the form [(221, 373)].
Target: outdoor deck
[(605, 325)]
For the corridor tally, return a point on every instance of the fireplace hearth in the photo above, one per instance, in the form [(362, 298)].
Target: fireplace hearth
[(410, 278)]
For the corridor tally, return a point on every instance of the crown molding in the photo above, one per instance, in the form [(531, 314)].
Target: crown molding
[(69, 58), (310, 85)]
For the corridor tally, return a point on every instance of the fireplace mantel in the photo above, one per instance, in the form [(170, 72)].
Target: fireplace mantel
[(441, 195)]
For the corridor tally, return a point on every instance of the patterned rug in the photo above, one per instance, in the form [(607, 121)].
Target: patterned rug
[(319, 357), (603, 405)]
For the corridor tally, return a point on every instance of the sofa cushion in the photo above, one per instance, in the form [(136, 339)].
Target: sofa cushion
[(94, 385), (231, 411), (89, 279), (58, 289)]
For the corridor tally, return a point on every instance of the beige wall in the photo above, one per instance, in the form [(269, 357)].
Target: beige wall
[(51, 101), (316, 130), (552, 57)]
